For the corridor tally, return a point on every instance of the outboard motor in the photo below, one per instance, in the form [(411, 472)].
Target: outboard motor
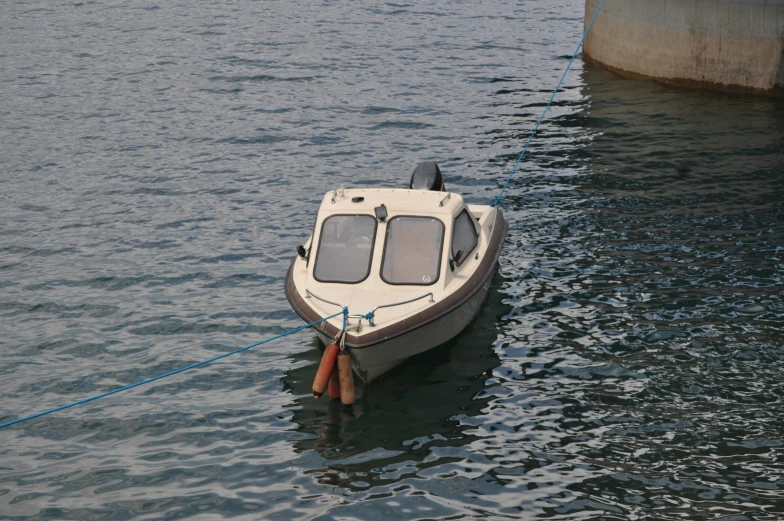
[(427, 176)]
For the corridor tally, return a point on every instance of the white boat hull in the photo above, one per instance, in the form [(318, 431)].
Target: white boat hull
[(398, 319), (372, 361)]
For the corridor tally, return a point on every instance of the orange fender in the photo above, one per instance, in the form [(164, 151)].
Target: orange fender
[(334, 383), (325, 370), (346, 378)]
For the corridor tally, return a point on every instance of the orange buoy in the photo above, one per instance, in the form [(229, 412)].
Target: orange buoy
[(334, 383), (325, 370), (346, 378)]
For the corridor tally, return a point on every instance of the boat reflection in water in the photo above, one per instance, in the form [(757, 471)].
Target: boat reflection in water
[(402, 416)]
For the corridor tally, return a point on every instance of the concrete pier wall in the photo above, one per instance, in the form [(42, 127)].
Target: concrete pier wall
[(723, 44)]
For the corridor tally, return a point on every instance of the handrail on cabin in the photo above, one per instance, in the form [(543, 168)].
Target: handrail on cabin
[(372, 314)]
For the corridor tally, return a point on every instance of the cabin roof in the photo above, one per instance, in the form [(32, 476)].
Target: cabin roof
[(396, 200)]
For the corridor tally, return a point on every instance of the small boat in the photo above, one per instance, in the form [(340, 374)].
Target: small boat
[(412, 266)]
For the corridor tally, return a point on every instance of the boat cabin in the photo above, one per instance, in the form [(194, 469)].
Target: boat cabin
[(390, 250), (411, 266)]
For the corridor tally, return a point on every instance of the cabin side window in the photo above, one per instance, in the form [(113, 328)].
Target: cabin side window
[(412, 250), (345, 249), (464, 237)]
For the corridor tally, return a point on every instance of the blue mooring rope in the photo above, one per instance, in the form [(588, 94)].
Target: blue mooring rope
[(497, 200), (344, 312)]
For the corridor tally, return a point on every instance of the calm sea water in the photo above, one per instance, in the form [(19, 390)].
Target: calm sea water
[(159, 163)]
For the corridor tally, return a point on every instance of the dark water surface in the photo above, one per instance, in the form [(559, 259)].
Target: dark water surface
[(160, 161)]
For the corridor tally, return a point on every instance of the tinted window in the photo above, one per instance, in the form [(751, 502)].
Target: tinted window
[(412, 250), (464, 238), (345, 248)]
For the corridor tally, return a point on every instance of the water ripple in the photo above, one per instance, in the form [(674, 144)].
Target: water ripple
[(161, 163)]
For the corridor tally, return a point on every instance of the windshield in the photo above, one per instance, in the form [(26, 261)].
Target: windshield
[(464, 238), (345, 248), (412, 252)]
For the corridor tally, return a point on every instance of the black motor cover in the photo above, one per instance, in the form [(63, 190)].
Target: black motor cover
[(427, 176)]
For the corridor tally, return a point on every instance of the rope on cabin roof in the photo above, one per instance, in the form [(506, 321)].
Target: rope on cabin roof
[(497, 200), (343, 312)]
